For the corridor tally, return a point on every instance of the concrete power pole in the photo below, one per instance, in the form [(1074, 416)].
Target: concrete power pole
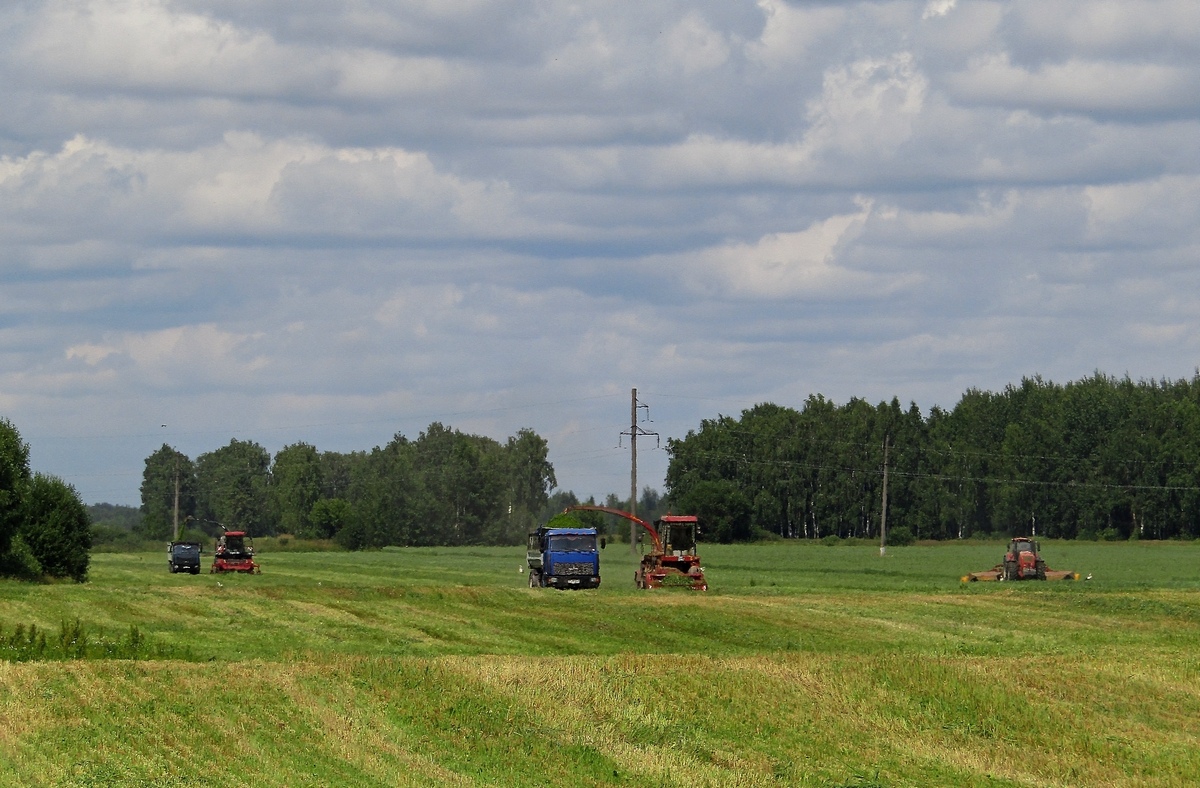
[(176, 517), (883, 513), (634, 431)]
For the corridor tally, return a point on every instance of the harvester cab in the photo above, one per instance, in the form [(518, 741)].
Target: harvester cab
[(678, 564), (234, 553)]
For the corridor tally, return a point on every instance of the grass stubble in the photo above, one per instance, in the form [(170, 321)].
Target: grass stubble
[(805, 665)]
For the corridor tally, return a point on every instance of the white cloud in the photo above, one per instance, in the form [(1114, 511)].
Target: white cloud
[(693, 47), (246, 185), (1144, 29), (935, 8), (172, 358), (788, 265), (790, 32), (1156, 211), (136, 45), (868, 107), (1078, 85)]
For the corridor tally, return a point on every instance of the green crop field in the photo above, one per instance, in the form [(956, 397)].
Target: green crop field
[(805, 665)]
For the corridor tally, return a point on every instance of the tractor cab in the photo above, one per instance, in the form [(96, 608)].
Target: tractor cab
[(1022, 545)]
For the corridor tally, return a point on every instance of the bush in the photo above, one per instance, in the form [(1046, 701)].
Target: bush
[(19, 561), (56, 527), (899, 537)]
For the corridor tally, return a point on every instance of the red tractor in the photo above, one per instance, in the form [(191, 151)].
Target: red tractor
[(1022, 561), (234, 553), (672, 561)]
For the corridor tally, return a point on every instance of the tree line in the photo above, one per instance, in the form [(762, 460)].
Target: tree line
[(444, 488), (44, 525), (1098, 458), (1101, 457)]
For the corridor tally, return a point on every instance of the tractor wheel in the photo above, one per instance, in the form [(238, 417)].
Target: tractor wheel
[(1010, 570), (535, 580), (172, 568)]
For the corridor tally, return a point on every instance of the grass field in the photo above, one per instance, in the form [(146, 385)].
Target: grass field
[(804, 665)]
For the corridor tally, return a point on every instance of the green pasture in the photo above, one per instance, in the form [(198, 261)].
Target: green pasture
[(805, 664)]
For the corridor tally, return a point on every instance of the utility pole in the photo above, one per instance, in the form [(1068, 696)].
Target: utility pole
[(176, 517), (634, 431), (883, 514)]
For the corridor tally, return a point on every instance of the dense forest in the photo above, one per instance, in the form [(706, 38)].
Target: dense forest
[(1098, 458), (444, 488)]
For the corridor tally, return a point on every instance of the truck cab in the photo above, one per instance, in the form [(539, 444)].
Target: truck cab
[(184, 557), (564, 558)]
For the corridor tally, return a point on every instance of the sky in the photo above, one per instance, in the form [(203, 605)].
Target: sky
[(333, 221)]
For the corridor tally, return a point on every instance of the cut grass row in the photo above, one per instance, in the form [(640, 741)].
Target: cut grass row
[(781, 719), (806, 665)]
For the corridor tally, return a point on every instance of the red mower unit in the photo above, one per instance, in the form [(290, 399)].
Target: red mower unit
[(235, 553), (672, 561)]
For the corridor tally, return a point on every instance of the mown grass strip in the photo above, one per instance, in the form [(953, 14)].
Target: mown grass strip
[(439, 667)]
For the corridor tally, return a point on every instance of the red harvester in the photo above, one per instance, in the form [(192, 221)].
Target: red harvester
[(234, 553), (672, 561)]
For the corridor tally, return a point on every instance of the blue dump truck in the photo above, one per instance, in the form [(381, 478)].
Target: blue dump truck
[(564, 558)]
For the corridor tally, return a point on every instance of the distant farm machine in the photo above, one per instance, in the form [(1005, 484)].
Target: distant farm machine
[(234, 553), (1022, 561), (672, 560)]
